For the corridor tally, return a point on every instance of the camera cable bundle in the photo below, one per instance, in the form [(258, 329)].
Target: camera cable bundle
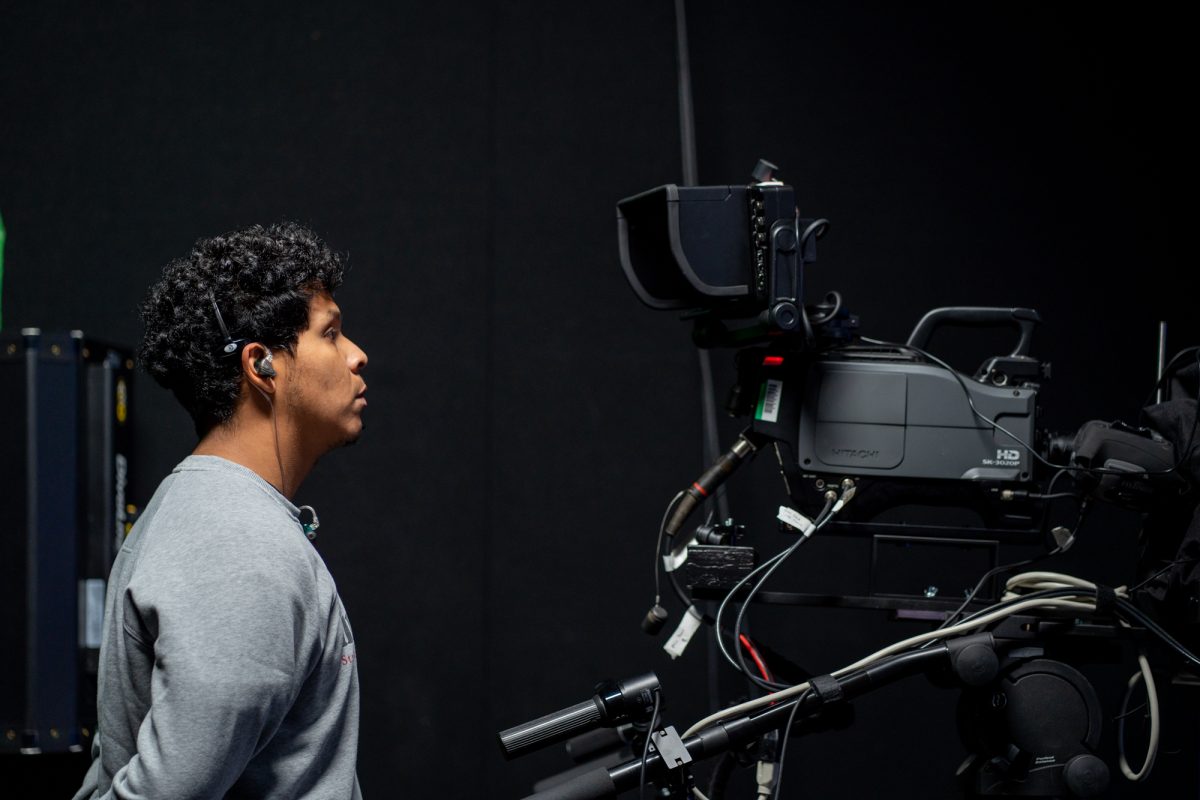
[(967, 646)]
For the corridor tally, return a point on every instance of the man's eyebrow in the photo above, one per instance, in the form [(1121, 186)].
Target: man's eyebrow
[(335, 315)]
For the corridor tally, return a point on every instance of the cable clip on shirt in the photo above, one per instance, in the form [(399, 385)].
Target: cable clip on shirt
[(309, 525)]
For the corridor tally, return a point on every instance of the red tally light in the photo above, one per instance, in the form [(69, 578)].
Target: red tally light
[(773, 361)]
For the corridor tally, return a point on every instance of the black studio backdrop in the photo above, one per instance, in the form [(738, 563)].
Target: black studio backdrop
[(492, 533)]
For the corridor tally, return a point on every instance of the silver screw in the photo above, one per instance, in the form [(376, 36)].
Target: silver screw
[(931, 591)]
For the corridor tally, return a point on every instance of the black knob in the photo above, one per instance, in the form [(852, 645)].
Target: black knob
[(763, 171), (785, 316), (976, 664), (785, 240), (1086, 775)]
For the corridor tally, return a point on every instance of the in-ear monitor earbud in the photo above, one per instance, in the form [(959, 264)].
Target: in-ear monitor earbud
[(264, 367)]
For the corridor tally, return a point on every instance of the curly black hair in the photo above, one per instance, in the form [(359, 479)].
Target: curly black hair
[(262, 279)]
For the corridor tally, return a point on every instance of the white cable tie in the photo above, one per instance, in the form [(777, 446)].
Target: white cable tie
[(683, 633), (764, 775), (794, 519), (673, 561)]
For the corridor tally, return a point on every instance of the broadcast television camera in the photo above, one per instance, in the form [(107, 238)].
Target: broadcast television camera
[(881, 424), (733, 258)]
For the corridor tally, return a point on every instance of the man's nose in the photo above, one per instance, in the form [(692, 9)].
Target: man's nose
[(358, 357)]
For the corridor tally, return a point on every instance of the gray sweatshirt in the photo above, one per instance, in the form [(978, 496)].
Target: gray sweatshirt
[(227, 665)]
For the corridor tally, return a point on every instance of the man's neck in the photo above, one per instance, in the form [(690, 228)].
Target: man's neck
[(264, 447)]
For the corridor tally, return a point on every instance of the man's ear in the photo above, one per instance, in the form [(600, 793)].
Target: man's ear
[(258, 368)]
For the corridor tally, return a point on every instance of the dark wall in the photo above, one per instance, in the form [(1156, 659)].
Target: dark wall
[(492, 533)]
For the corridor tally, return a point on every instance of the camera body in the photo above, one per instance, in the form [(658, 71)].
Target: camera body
[(879, 412), (733, 257)]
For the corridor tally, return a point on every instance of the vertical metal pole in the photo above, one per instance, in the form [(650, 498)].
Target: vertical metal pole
[(687, 122), (1162, 361), (687, 142), (687, 146)]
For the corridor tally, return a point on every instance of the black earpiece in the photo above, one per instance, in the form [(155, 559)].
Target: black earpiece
[(263, 366)]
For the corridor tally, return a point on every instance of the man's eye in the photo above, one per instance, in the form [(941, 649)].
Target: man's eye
[(332, 333)]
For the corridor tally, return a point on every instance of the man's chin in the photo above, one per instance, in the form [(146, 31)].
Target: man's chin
[(350, 437), (354, 437)]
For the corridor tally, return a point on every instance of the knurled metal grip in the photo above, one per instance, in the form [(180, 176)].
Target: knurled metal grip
[(549, 729)]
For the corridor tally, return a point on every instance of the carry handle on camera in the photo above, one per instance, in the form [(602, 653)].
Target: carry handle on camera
[(1025, 320)]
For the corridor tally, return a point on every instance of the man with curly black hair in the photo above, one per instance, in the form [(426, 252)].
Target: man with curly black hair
[(228, 666)]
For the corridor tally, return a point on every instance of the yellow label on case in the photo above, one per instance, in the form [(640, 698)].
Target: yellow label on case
[(122, 400)]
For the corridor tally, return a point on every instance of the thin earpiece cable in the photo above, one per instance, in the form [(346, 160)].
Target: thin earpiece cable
[(275, 433)]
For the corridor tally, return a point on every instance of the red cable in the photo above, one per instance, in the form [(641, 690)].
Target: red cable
[(762, 667)]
